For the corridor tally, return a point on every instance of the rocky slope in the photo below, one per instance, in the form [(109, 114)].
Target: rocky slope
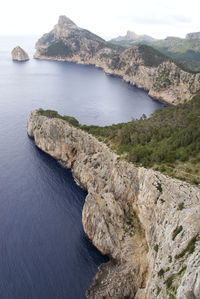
[(146, 222), (19, 54), (186, 51), (139, 65)]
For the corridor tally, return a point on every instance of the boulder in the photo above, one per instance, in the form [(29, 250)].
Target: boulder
[(19, 54)]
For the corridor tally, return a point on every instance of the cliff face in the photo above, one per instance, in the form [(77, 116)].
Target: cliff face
[(193, 35), (19, 54), (139, 65), (146, 222)]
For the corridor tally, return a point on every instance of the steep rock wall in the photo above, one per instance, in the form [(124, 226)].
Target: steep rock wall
[(146, 222)]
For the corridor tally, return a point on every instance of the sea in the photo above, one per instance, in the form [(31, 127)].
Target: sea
[(44, 252)]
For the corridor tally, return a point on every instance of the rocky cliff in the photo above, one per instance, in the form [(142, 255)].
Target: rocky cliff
[(193, 35), (19, 54), (146, 222), (141, 65)]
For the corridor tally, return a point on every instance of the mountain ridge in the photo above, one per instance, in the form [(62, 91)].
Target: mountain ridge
[(186, 51), (131, 38)]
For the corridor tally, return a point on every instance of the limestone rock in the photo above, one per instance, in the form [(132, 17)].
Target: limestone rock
[(19, 54), (146, 222), (193, 35)]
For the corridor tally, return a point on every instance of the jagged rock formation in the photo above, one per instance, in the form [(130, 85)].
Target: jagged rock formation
[(19, 54), (193, 35), (67, 40), (146, 222), (132, 38), (139, 65)]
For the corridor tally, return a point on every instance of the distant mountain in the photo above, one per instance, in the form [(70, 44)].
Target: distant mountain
[(186, 51), (140, 65), (67, 39), (193, 35), (131, 38)]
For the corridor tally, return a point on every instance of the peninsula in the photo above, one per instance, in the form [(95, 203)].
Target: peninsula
[(139, 65), (147, 223)]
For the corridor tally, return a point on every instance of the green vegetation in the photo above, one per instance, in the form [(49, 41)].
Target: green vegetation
[(185, 52), (58, 48), (168, 141), (176, 231), (181, 206), (159, 187), (161, 272), (156, 247), (189, 248), (54, 114), (172, 282), (151, 56)]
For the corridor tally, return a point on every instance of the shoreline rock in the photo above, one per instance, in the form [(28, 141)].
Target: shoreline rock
[(18, 54), (146, 222)]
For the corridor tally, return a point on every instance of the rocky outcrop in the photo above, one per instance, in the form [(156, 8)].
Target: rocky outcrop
[(193, 35), (146, 222), (19, 54), (141, 65)]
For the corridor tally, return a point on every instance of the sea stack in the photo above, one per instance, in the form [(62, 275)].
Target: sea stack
[(18, 54)]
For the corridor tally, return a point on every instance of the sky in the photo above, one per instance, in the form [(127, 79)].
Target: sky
[(106, 18)]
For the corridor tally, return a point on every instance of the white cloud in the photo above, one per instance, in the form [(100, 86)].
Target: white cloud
[(108, 18)]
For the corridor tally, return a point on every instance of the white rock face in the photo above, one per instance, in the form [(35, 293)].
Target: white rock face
[(146, 222), (193, 36), (19, 54)]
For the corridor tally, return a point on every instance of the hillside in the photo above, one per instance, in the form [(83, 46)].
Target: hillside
[(185, 51), (168, 141)]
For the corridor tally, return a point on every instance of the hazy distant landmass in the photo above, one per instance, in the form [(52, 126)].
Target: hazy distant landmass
[(131, 39)]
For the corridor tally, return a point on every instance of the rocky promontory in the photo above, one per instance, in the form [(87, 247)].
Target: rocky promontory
[(147, 223), (19, 54), (140, 65)]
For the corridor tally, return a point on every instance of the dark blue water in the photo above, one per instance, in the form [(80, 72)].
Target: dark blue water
[(44, 253)]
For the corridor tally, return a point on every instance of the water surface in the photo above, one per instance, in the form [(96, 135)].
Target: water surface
[(44, 253)]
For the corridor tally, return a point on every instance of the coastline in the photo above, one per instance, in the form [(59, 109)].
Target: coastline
[(129, 214), (107, 72)]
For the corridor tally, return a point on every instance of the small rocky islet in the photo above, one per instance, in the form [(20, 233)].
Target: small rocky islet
[(18, 54)]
